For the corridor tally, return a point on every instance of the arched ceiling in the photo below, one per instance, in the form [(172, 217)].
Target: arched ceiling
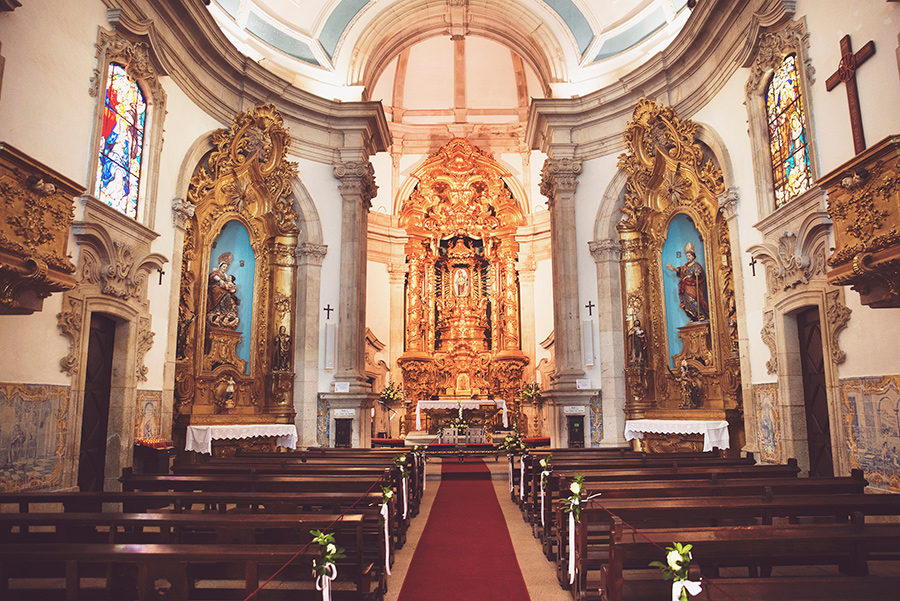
[(340, 48)]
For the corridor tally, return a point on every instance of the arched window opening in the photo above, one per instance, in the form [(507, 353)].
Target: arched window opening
[(121, 142), (788, 141)]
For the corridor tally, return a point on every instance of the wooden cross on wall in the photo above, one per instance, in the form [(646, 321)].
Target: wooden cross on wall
[(846, 73)]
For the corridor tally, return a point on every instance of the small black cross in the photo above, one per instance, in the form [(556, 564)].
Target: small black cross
[(753, 265), (589, 306), (328, 310), (161, 273)]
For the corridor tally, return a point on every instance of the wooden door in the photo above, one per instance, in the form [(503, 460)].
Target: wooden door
[(95, 413), (575, 425), (812, 362), (343, 430)]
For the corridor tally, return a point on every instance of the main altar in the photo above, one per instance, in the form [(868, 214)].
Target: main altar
[(463, 355)]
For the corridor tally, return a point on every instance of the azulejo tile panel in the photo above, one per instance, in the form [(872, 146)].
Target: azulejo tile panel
[(34, 422), (768, 430), (596, 420), (870, 408), (323, 419)]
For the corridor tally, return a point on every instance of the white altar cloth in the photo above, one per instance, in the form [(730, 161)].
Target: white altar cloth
[(199, 438), (454, 404), (715, 433)]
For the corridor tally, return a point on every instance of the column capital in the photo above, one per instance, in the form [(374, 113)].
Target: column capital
[(728, 201), (182, 211), (311, 254), (396, 272), (357, 181), (605, 250), (559, 175)]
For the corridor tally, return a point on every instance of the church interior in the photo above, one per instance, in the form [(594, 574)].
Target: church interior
[(332, 239)]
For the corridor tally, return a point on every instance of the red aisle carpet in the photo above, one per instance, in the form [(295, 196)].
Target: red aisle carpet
[(465, 552)]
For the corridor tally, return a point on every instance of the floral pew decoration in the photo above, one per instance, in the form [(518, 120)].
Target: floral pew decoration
[(400, 462), (546, 464), (677, 569), (325, 567), (572, 505), (387, 493), (513, 445)]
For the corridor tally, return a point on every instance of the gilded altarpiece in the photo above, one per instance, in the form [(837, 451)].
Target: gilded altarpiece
[(236, 317), (462, 331), (680, 319)]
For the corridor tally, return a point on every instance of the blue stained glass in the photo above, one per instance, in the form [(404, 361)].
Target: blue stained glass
[(121, 142), (791, 167)]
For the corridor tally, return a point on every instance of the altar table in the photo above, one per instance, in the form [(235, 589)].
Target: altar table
[(199, 438), (715, 433), (501, 404)]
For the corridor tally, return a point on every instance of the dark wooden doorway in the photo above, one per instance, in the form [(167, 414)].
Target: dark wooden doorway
[(95, 414), (343, 430), (812, 363), (575, 427)]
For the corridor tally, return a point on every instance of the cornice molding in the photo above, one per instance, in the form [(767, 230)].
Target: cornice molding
[(222, 82), (717, 39)]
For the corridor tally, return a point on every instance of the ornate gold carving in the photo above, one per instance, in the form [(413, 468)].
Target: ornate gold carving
[(247, 179), (34, 232), (864, 203), (668, 175)]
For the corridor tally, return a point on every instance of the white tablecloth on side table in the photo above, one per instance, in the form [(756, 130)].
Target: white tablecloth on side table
[(199, 438), (501, 404), (715, 433)]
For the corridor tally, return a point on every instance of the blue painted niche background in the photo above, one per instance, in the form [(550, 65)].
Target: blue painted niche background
[(234, 239), (681, 231)]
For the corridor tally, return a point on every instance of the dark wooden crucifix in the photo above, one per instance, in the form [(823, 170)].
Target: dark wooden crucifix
[(753, 264), (846, 73), (589, 306), (328, 311)]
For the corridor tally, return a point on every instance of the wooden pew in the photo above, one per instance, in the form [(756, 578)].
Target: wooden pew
[(759, 547), (164, 572), (593, 531)]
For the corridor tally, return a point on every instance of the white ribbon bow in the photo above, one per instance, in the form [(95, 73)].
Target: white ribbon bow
[(405, 498), (424, 479), (387, 538), (693, 588), (522, 477), (572, 543), (323, 582), (544, 474), (510, 473)]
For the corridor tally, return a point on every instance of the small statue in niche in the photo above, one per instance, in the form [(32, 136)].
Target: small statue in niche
[(461, 282), (637, 343), (281, 360), (692, 286), (224, 394), (690, 386), (222, 300)]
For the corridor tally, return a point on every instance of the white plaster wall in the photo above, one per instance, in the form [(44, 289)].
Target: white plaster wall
[(543, 310), (323, 189), (727, 116), (877, 79), (378, 305), (538, 200), (595, 177), (384, 198), (50, 118), (184, 124)]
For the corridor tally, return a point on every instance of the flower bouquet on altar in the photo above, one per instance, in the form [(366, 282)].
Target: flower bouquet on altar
[(513, 443), (460, 424)]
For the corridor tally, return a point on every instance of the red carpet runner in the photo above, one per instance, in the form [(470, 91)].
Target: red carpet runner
[(465, 551)]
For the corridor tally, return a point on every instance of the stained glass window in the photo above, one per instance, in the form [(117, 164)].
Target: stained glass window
[(121, 142), (791, 170)]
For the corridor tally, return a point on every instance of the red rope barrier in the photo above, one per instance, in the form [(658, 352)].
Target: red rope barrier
[(655, 544), (306, 546)]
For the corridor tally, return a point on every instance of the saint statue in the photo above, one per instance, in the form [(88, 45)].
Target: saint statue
[(282, 359), (461, 282), (222, 299), (636, 341), (692, 286)]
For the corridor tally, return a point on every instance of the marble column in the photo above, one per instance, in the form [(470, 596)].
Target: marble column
[(527, 268), (606, 254), (728, 205), (357, 187), (396, 280), (559, 178), (182, 211), (306, 345)]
